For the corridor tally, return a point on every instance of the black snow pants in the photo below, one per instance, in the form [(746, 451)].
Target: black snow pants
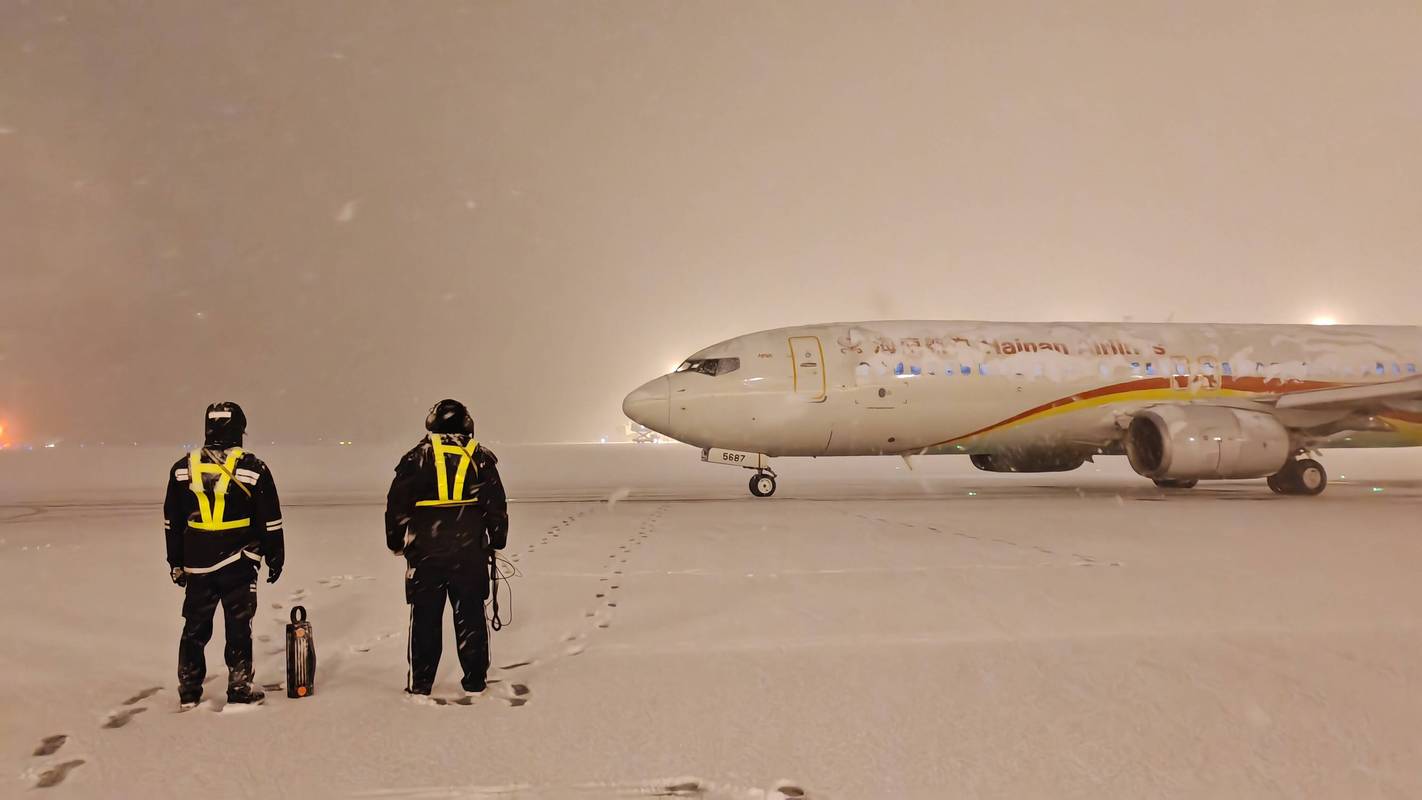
[(235, 587), (425, 592)]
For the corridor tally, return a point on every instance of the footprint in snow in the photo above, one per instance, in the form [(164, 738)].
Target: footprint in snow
[(452, 701), (367, 646), (51, 744), (520, 696), (56, 774), (119, 719), (143, 695)]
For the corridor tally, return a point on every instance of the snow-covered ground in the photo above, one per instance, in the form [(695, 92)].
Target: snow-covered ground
[(872, 631)]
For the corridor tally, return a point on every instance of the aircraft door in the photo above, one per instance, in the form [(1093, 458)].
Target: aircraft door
[(807, 359)]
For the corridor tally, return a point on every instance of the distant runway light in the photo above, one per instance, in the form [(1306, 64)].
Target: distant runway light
[(1324, 321)]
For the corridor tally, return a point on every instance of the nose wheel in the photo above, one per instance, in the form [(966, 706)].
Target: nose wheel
[(762, 484)]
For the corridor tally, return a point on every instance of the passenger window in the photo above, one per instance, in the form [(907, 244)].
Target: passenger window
[(1207, 367), (1382, 370), (1411, 369), (1150, 367), (982, 369), (1225, 370), (1396, 368), (967, 369)]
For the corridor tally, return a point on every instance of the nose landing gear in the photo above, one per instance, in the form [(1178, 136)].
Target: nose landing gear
[(762, 484), (1303, 476)]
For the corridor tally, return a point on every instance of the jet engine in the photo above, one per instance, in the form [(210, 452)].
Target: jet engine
[(1175, 442), (1034, 461)]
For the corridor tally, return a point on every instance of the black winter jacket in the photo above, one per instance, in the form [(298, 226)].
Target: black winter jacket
[(438, 521), (220, 524)]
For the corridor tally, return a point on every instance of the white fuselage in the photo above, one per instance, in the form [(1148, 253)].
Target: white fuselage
[(900, 387)]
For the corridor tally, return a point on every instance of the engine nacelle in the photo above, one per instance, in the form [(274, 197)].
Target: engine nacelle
[(1047, 461), (1206, 442)]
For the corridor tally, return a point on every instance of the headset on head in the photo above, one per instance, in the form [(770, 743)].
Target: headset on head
[(434, 416)]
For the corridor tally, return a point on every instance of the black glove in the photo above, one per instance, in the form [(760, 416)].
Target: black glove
[(179, 576), (273, 572), (498, 536)]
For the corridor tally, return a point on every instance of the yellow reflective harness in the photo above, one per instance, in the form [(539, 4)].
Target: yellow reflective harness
[(212, 511), (466, 457)]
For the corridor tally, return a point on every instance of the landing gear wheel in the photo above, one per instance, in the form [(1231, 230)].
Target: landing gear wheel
[(1167, 483), (762, 485), (1309, 477), (1304, 477)]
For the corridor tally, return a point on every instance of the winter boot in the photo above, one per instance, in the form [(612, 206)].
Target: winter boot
[(244, 693), (189, 697)]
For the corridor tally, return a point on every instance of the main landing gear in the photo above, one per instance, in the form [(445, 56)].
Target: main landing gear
[(762, 484), (1300, 476)]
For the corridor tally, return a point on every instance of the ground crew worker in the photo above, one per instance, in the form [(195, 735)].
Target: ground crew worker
[(446, 514), (221, 517)]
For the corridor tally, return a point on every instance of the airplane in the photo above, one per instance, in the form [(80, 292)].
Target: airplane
[(1183, 402)]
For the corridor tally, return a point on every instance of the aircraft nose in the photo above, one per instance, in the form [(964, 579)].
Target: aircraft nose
[(650, 405)]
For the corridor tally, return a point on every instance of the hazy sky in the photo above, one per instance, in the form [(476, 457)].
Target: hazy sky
[(337, 213)]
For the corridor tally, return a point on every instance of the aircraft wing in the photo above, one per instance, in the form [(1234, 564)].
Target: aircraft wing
[(1359, 397)]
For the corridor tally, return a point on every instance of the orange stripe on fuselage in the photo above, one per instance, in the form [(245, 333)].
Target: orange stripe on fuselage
[(1228, 386)]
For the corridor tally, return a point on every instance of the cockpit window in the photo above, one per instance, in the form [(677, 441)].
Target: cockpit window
[(710, 366)]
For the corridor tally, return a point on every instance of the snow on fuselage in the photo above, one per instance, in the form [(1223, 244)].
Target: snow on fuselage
[(872, 388)]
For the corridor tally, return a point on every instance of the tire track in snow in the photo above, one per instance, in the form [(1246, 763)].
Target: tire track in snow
[(657, 787), (1082, 560)]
